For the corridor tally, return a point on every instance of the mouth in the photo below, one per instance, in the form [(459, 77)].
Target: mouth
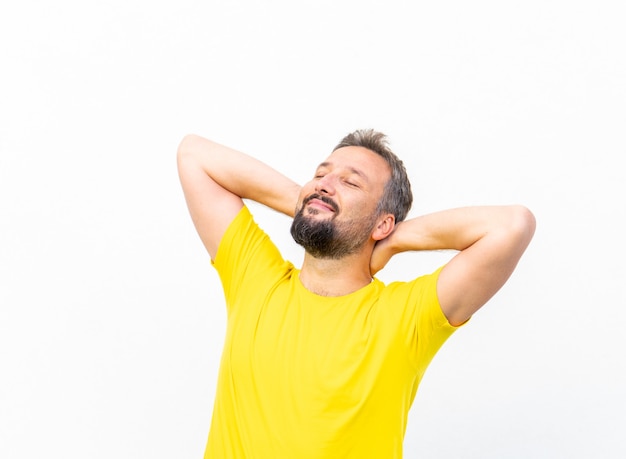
[(320, 203)]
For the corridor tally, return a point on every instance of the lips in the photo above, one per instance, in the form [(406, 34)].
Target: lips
[(321, 202)]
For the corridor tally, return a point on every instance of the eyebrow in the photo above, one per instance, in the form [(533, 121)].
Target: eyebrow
[(353, 170)]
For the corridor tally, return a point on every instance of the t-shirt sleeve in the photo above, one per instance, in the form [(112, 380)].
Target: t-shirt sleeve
[(425, 325), (245, 255)]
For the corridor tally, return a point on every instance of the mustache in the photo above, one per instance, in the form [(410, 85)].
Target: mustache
[(324, 199)]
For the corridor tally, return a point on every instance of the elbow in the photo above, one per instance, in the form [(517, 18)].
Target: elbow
[(523, 223), (186, 146)]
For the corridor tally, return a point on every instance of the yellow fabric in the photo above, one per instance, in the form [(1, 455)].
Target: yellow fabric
[(304, 376)]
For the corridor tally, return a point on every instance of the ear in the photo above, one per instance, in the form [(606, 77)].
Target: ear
[(384, 227)]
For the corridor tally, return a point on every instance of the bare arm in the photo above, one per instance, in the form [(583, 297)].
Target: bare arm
[(490, 241), (216, 178)]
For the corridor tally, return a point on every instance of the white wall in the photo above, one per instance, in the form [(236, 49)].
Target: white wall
[(111, 317)]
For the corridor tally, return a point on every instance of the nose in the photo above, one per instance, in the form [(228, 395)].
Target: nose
[(325, 185)]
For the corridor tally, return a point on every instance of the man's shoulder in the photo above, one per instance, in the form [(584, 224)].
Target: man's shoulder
[(245, 246), (405, 287)]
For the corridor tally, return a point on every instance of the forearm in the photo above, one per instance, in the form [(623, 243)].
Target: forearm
[(460, 228), (241, 174), (498, 234)]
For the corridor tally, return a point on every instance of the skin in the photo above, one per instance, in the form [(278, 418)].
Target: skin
[(354, 178), (489, 239)]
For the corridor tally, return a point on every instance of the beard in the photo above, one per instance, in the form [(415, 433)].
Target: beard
[(327, 238)]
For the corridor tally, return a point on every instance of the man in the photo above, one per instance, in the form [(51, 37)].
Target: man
[(324, 361)]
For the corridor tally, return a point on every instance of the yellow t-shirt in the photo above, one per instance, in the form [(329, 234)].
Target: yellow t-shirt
[(306, 376)]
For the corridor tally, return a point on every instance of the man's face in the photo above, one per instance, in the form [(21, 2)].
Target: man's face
[(336, 211)]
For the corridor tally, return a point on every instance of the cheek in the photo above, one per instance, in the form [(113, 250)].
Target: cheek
[(305, 191), (362, 208), (308, 189)]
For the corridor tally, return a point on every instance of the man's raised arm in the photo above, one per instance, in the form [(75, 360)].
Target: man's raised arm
[(490, 241), (216, 178)]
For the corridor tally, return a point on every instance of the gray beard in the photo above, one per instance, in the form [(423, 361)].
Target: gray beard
[(327, 239)]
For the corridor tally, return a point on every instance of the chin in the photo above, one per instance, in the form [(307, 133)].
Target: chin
[(313, 212)]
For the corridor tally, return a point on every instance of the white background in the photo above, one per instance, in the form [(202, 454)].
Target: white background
[(111, 317)]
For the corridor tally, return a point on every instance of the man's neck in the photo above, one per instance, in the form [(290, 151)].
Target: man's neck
[(328, 277)]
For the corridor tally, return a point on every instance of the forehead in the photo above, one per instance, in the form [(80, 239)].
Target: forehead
[(359, 161)]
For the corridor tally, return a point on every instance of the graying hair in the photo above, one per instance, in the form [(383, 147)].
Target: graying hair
[(397, 196)]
